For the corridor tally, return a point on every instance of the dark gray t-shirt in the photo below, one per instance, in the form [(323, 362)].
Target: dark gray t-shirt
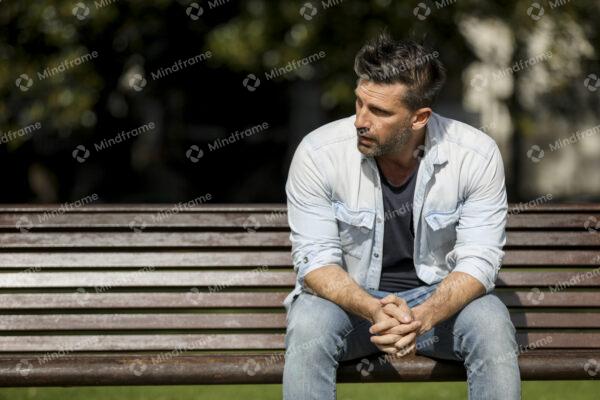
[(398, 268)]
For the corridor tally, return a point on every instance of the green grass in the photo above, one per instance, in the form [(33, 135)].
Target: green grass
[(557, 390)]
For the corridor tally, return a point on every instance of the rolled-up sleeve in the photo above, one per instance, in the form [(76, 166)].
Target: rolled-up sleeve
[(480, 233), (314, 231)]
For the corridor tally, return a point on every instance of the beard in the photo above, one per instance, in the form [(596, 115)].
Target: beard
[(392, 145)]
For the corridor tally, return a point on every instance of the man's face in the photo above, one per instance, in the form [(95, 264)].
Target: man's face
[(383, 123)]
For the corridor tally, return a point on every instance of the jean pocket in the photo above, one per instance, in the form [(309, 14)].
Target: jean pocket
[(355, 228)]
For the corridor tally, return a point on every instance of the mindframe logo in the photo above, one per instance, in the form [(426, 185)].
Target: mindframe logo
[(195, 10), (537, 153), (138, 82), (81, 153), (81, 10), (194, 153), (12, 135), (308, 10), (24, 82), (251, 82)]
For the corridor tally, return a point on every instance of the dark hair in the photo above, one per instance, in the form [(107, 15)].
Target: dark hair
[(384, 60)]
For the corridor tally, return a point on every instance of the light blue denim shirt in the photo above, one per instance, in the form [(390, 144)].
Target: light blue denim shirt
[(336, 214)]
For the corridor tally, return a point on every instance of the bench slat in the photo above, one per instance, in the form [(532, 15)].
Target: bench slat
[(276, 218), (570, 258), (188, 258), (78, 300), (260, 239), (60, 322), (142, 369), (516, 208), (165, 342), (550, 221), (145, 258), (218, 280), (129, 220), (191, 299), (144, 239), (254, 341), (551, 239)]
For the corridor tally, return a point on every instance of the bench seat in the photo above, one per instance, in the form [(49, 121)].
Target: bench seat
[(140, 295)]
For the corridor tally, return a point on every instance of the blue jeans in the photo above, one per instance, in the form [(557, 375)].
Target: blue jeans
[(320, 334)]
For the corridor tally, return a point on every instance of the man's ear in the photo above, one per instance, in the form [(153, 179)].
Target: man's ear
[(421, 117)]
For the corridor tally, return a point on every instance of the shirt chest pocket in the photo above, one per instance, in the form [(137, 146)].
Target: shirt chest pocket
[(442, 228), (355, 228)]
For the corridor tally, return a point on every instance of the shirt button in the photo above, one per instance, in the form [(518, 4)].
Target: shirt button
[(305, 260), (376, 255), (379, 219)]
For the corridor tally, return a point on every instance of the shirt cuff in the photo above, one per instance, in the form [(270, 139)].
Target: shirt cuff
[(480, 270), (312, 260)]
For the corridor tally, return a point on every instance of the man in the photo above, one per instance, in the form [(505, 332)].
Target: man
[(397, 220)]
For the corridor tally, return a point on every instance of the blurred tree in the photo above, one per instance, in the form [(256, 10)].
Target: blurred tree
[(95, 100)]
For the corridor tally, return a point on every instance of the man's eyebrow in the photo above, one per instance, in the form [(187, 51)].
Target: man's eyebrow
[(373, 106)]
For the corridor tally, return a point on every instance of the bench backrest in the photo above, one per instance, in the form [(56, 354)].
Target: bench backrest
[(213, 278)]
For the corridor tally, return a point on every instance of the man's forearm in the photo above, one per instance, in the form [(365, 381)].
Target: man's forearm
[(456, 291), (333, 283)]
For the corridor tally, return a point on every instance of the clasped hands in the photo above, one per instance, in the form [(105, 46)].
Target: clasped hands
[(396, 326)]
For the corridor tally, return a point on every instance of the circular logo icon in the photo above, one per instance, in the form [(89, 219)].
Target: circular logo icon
[(535, 296), (591, 82), (592, 367), (81, 11), (24, 224), (251, 82), (81, 153), (536, 11), (308, 11), (24, 82), (365, 367), (194, 11), (137, 224), (24, 367), (194, 153), (535, 153), (251, 367), (592, 224), (479, 82), (422, 11), (137, 367), (251, 224), (137, 82)]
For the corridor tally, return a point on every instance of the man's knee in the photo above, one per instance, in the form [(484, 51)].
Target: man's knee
[(316, 328), (486, 329)]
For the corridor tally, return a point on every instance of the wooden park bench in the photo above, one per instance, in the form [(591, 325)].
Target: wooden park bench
[(131, 295)]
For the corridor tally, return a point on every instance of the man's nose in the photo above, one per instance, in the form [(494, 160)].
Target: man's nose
[(361, 124)]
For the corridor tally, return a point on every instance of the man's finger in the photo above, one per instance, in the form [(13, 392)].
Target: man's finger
[(405, 340), (383, 326), (399, 310), (406, 351), (404, 329), (390, 298), (385, 339), (388, 349)]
